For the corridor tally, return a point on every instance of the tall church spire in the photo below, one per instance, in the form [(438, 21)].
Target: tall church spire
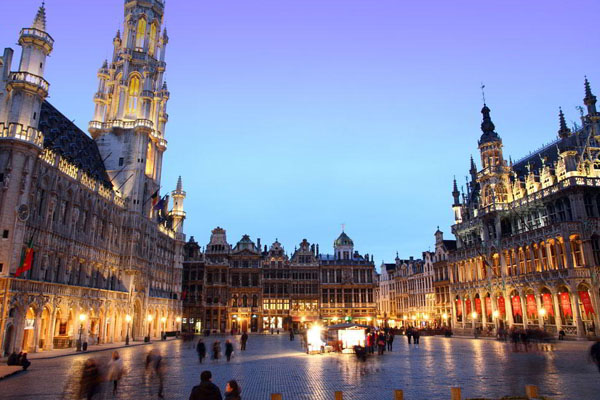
[(455, 194), (589, 100), (488, 127), (564, 131), (40, 18)]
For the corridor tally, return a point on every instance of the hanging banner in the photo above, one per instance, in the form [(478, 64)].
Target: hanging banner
[(516, 305), (565, 304), (547, 301), (478, 305), (501, 306), (468, 306), (587, 302), (531, 306), (458, 307), (488, 306)]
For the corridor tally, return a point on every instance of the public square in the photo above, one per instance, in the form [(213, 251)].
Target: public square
[(273, 364)]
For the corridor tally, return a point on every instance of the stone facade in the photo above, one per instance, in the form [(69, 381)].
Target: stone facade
[(528, 234), (246, 288), (103, 267)]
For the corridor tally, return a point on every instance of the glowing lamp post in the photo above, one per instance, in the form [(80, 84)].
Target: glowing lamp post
[(149, 318), (128, 319), (313, 338), (542, 313), (445, 318), (82, 318)]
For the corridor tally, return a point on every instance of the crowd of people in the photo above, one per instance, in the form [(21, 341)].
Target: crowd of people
[(19, 359)]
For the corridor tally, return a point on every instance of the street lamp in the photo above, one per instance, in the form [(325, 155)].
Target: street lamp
[(82, 318), (542, 313), (149, 318), (128, 319)]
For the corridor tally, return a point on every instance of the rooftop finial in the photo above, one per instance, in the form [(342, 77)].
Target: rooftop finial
[(179, 184), (564, 131), (40, 18), (589, 100), (483, 92)]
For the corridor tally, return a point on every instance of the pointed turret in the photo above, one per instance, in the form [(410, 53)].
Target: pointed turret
[(39, 22), (589, 100), (178, 214), (455, 194), (564, 131), (473, 170), (488, 127)]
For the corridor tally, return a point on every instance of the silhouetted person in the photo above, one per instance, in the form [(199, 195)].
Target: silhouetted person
[(201, 350), (243, 340), (233, 391), (90, 380), (595, 354), (228, 349), (206, 390), (155, 366)]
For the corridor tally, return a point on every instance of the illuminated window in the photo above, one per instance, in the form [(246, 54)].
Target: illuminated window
[(133, 94), (150, 160), (152, 45), (141, 33)]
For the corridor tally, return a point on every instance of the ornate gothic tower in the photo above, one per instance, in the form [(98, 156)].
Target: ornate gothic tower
[(177, 213), (131, 105), (22, 93)]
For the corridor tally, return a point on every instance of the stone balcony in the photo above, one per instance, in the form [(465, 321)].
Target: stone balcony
[(33, 35), (28, 81), (60, 289), (19, 132)]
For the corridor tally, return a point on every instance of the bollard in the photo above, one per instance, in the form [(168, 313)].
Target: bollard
[(455, 393), (276, 396), (398, 395), (339, 396), (531, 392)]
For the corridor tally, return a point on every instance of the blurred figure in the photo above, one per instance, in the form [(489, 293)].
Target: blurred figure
[(206, 390), (155, 367), (228, 349), (595, 354), (23, 361), (291, 335), (201, 350), (233, 391), (115, 370), (13, 359), (90, 379), (243, 340), (390, 341), (216, 349)]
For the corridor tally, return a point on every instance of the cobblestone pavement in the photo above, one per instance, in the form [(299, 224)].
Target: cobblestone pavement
[(273, 364)]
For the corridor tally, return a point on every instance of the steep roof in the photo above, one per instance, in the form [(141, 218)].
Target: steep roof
[(343, 240), (450, 244), (63, 137)]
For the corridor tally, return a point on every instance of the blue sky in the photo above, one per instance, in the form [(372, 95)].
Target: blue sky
[(289, 118)]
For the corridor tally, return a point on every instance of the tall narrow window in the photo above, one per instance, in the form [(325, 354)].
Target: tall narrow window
[(152, 44), (133, 94), (150, 160), (141, 34)]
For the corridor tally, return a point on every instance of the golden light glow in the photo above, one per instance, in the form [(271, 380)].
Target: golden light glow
[(474, 314), (178, 319), (152, 44), (128, 318), (496, 314), (141, 33), (445, 316), (542, 312), (369, 319), (414, 317), (132, 94), (82, 317), (149, 318), (163, 319), (405, 317), (425, 316), (313, 337)]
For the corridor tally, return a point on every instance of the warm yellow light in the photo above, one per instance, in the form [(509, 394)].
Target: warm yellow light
[(474, 314), (149, 318), (313, 338), (414, 317), (369, 319), (496, 314), (405, 317), (128, 318), (302, 319), (392, 321), (542, 312), (163, 319), (82, 317), (425, 316), (445, 316), (178, 319)]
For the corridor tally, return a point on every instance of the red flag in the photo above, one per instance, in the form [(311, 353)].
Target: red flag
[(531, 306), (565, 303), (478, 305), (27, 259), (501, 306), (587, 302), (516, 305), (488, 306), (547, 299), (458, 307), (468, 306)]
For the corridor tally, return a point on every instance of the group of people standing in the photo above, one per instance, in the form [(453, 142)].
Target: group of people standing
[(207, 390), (414, 334), (216, 348), (380, 341)]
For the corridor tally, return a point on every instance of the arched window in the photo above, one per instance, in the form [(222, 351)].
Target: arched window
[(150, 160), (152, 44), (140, 34), (245, 301), (488, 195), (133, 94), (254, 301), (577, 251), (501, 195)]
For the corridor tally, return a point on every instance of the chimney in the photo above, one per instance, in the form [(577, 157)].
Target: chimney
[(258, 243)]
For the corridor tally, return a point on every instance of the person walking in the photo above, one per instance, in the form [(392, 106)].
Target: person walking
[(416, 335), (291, 335), (115, 370), (380, 343), (243, 340), (155, 367), (390, 341), (206, 390), (228, 349), (201, 350), (90, 380), (233, 391), (216, 349), (409, 334), (595, 354)]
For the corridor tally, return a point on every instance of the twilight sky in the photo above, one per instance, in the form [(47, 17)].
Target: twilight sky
[(291, 117)]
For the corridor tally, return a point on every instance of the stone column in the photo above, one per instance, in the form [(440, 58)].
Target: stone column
[(574, 296), (556, 311), (51, 330), (523, 309), (37, 328), (508, 307), (538, 304), (483, 311)]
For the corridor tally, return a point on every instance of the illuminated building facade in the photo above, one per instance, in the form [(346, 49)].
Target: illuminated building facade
[(246, 288), (527, 234), (441, 279), (102, 266)]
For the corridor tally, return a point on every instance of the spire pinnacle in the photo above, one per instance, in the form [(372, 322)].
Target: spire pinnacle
[(564, 131), (488, 127), (40, 18), (589, 100), (455, 194), (179, 184)]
